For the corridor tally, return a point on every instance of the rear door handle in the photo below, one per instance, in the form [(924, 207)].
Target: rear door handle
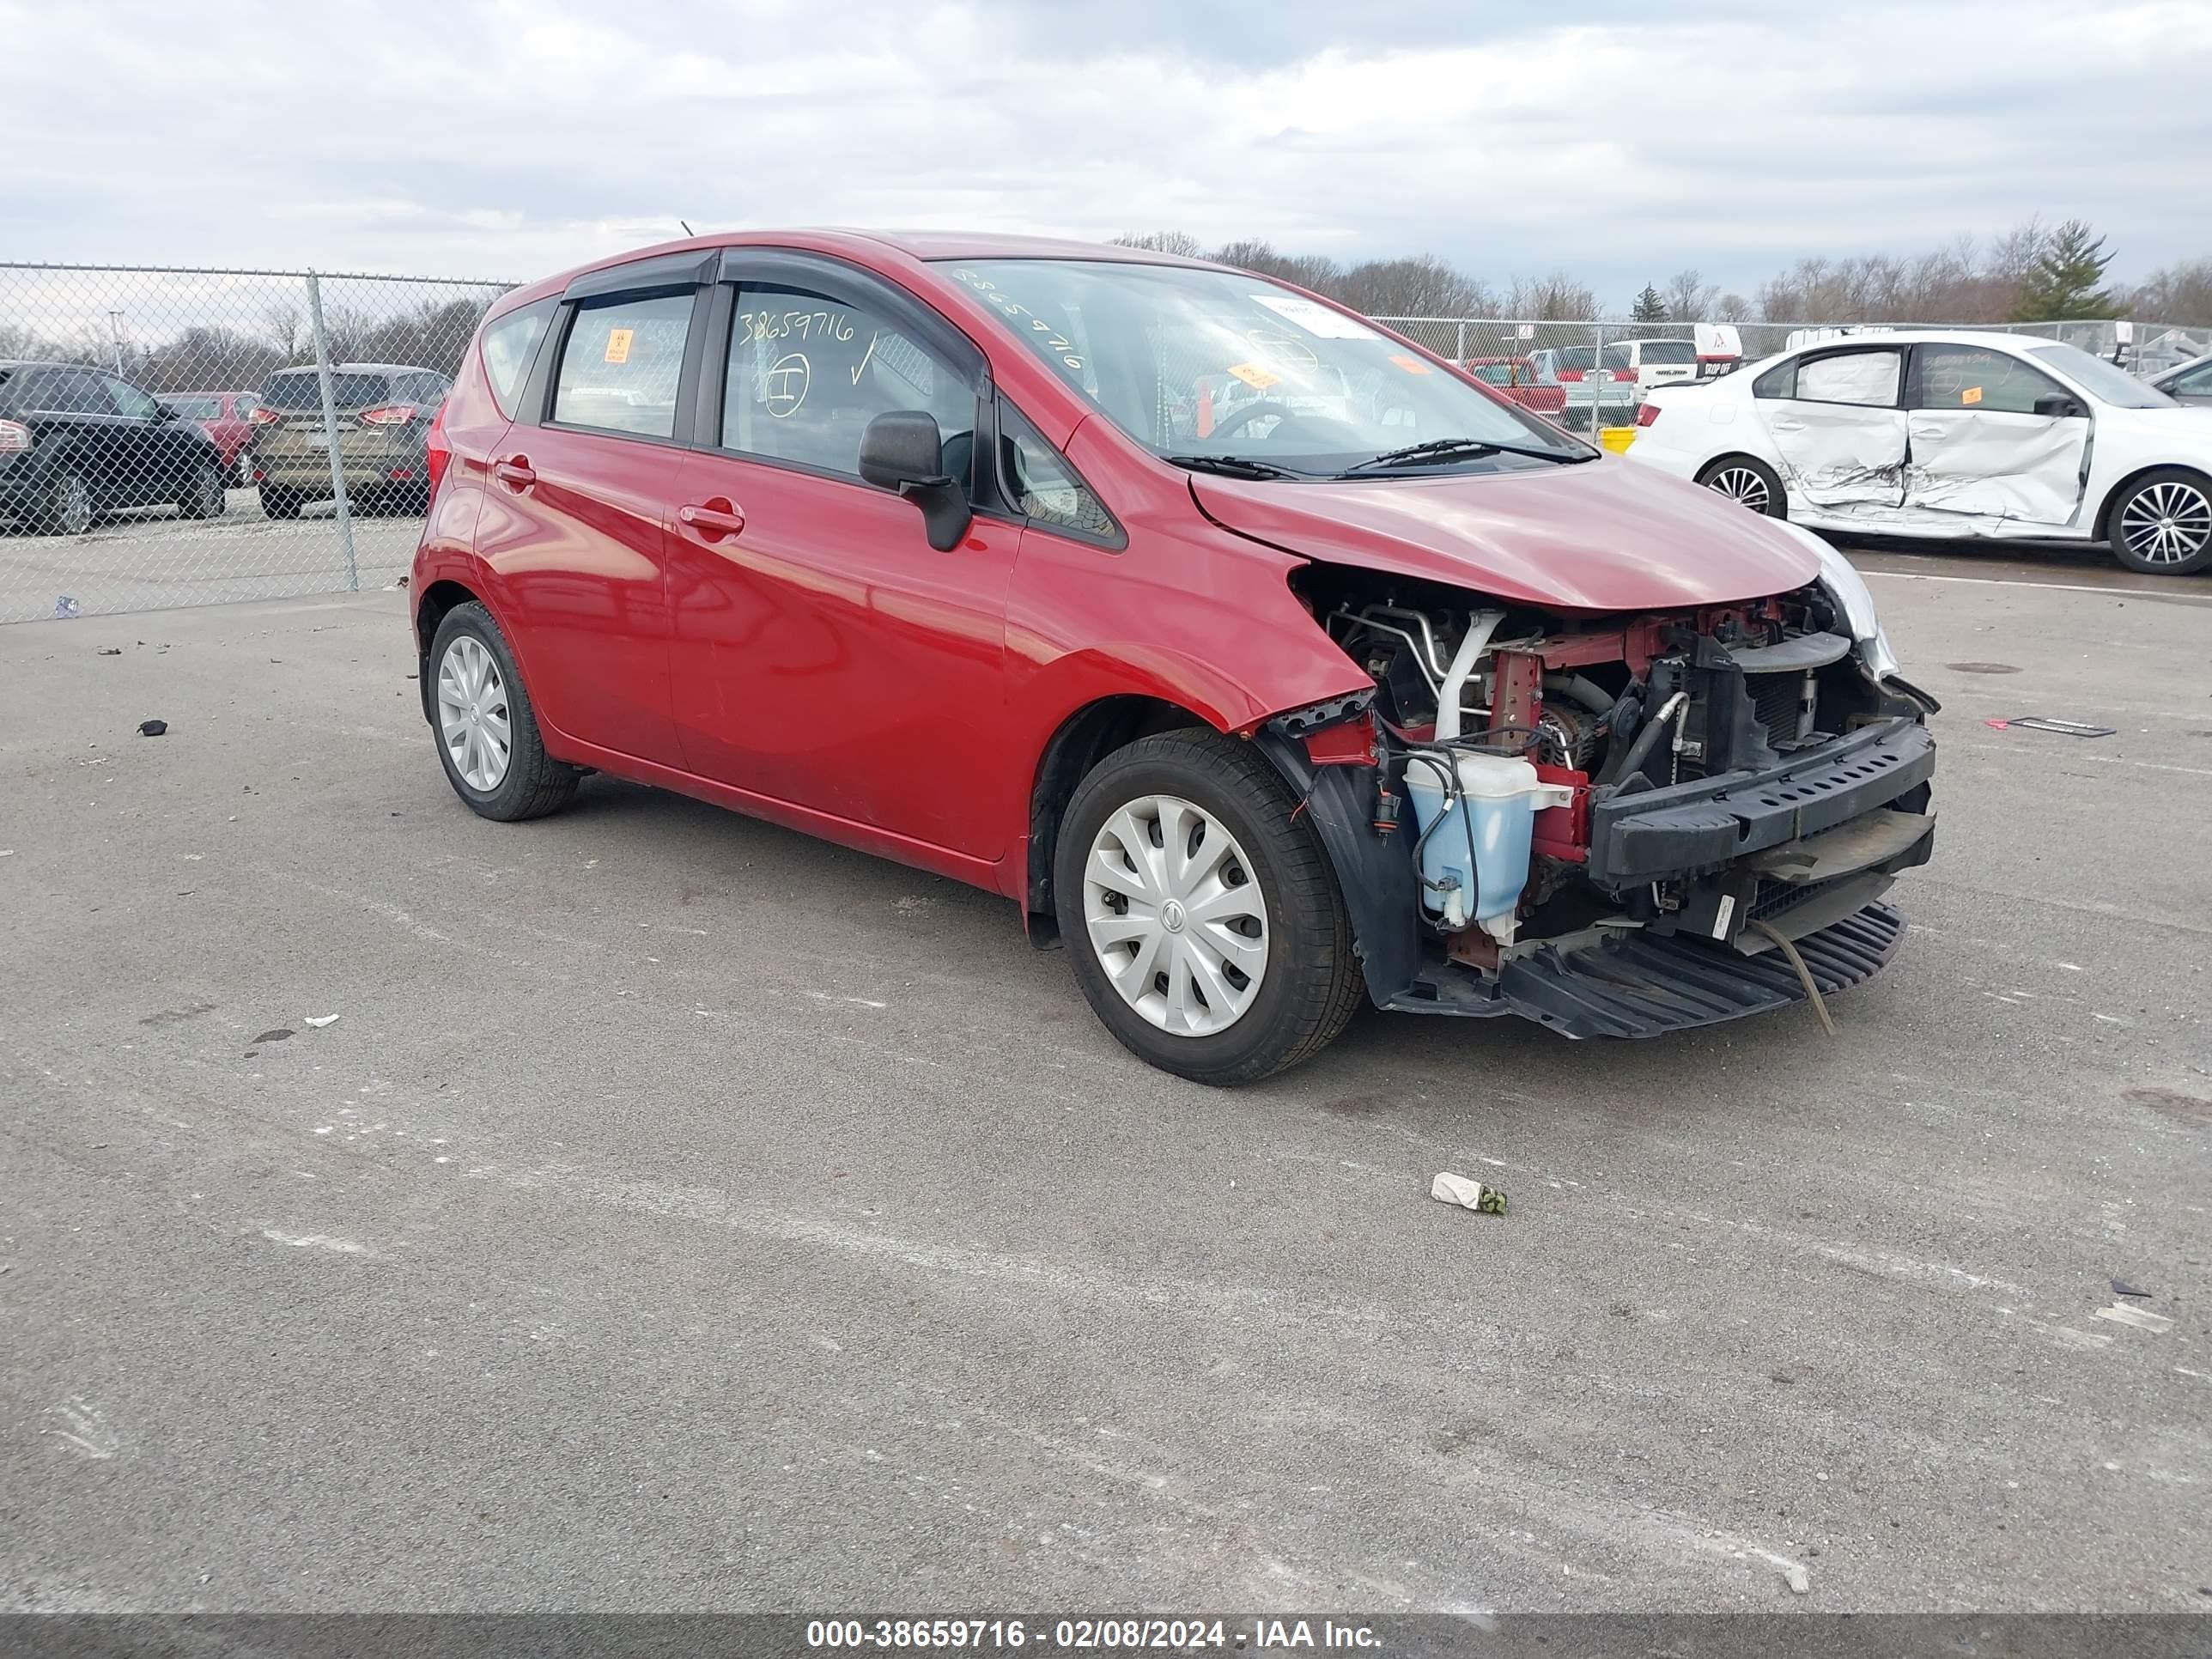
[(1923, 430), (515, 474), (1787, 426), (711, 521)]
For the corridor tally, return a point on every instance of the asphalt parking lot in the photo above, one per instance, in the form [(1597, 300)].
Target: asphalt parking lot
[(682, 1213)]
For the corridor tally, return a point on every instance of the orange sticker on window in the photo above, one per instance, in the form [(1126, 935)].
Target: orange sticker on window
[(1411, 365), (1972, 394), (618, 340), (1255, 376)]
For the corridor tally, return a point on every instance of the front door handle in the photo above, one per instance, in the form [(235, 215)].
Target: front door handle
[(515, 474), (711, 521), (1787, 426), (1923, 430)]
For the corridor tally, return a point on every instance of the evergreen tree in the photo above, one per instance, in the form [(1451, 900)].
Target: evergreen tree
[(1650, 307), (2061, 284)]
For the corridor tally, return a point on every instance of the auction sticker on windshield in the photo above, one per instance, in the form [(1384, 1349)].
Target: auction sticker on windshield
[(1315, 318)]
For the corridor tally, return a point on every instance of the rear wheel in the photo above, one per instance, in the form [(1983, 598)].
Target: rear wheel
[(1201, 916), (488, 738), (203, 497), (69, 505), (1747, 481), (278, 502), (2162, 524)]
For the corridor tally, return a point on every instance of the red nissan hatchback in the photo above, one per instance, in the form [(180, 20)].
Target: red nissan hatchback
[(1264, 658)]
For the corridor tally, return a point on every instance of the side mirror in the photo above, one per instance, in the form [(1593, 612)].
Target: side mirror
[(2059, 407), (902, 451)]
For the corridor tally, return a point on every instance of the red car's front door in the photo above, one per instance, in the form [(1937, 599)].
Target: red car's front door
[(823, 653)]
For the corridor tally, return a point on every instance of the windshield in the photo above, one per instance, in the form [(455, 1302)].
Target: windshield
[(1197, 363), (1670, 351), (2107, 383)]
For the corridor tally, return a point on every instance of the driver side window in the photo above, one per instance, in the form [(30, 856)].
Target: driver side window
[(808, 371)]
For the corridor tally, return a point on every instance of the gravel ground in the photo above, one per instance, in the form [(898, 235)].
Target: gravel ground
[(681, 1213)]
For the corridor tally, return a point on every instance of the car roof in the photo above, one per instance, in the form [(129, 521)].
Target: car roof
[(1979, 337), (924, 247)]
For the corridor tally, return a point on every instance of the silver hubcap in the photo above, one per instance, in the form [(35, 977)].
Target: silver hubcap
[(473, 713), (1176, 920), (211, 495), (74, 507), (1742, 485), (2169, 523)]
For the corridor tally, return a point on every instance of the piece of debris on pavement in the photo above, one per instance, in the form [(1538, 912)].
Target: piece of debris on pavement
[(1800, 1582), (152, 728), (65, 608), (2121, 1287), (318, 1021), (2120, 1314), (110, 650), (277, 1036), (2043, 723), (1448, 1188)]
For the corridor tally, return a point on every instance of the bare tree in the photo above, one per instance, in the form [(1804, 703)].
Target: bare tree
[(1311, 271), (1162, 241), (1689, 298), (1421, 286), (1555, 298), (285, 331), (2179, 293)]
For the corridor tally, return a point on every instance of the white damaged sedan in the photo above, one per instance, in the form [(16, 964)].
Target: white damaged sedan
[(1927, 433)]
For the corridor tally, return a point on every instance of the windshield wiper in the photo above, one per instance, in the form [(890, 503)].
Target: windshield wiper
[(1233, 466), (1437, 449)]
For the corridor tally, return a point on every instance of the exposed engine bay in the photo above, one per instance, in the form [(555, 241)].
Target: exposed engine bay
[(1742, 775)]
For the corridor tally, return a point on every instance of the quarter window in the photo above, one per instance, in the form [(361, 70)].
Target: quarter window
[(1867, 378), (129, 401), (620, 367), (1980, 381), (1043, 486), (509, 344), (808, 371)]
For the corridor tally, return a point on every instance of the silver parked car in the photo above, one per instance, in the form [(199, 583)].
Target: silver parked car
[(2189, 383)]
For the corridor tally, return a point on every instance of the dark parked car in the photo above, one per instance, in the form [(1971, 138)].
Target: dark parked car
[(384, 412), (1375, 686), (227, 419), (2188, 383), (76, 442)]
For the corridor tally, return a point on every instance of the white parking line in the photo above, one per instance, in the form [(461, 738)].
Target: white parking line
[(2054, 587)]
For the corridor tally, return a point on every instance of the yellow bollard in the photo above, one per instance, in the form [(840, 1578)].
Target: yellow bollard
[(1616, 438)]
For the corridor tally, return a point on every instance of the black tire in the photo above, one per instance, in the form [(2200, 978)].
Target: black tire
[(67, 508), (278, 502), (204, 494), (1312, 982), (1724, 476), (534, 783), (2184, 547)]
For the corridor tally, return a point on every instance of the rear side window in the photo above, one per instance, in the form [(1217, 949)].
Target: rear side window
[(1668, 351), (297, 389), (621, 365), (196, 409), (1865, 377), (509, 346)]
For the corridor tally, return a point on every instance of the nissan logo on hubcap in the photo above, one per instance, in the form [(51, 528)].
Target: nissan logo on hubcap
[(1171, 916)]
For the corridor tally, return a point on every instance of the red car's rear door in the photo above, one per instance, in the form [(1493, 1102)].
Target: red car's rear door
[(823, 654), (576, 505)]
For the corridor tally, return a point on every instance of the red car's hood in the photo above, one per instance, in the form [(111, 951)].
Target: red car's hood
[(1600, 535)]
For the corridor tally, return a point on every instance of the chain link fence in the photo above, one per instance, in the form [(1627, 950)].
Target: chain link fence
[(173, 436), (184, 437)]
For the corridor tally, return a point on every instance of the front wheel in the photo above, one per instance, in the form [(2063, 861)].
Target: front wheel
[(1202, 917), (278, 502), (488, 738), (1747, 481), (2162, 524)]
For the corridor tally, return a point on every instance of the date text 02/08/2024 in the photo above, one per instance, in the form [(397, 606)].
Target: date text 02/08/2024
[(1108, 1635)]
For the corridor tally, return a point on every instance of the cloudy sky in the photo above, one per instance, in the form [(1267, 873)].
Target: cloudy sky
[(507, 138)]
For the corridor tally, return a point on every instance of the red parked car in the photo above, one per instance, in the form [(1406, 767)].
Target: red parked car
[(1379, 687), (1517, 377), (227, 419)]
